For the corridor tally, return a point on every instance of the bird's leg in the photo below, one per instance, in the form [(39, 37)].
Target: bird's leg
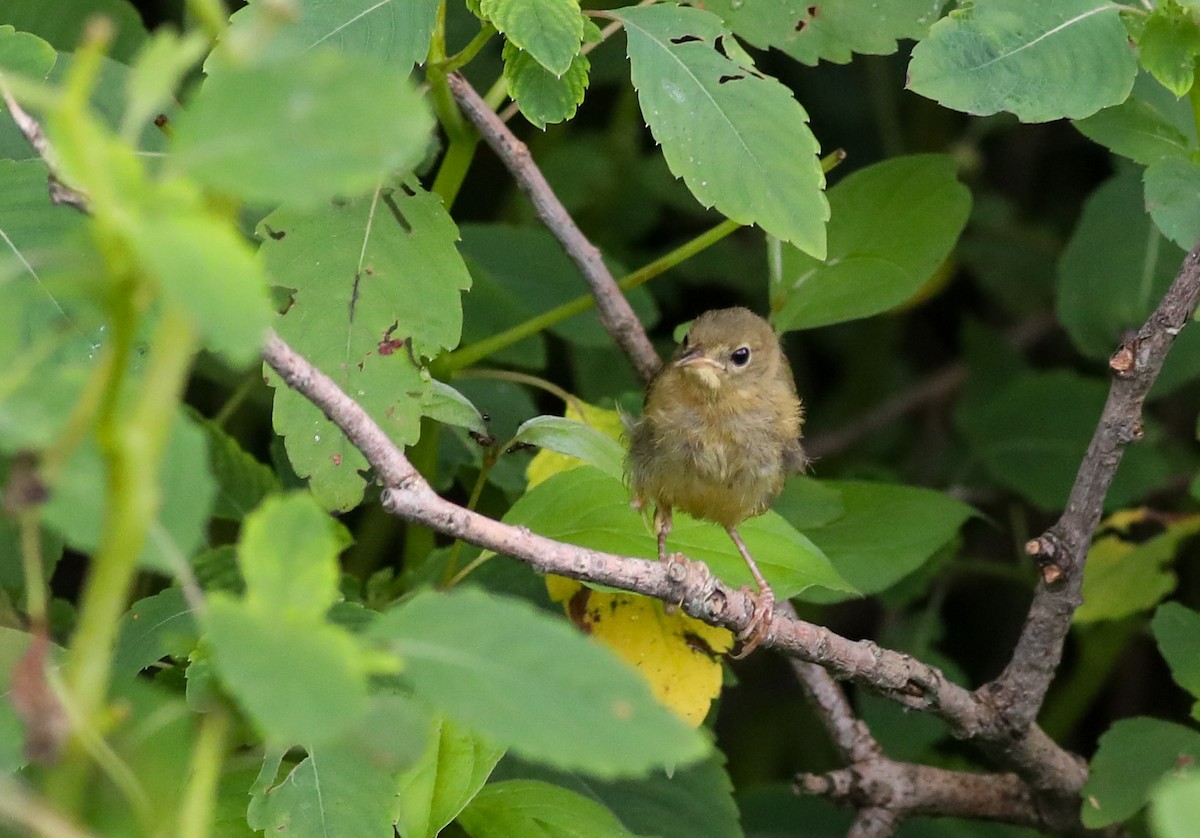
[(662, 524), (764, 603)]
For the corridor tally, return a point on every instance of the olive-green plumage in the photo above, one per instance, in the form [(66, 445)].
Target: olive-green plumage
[(718, 438), (719, 433)]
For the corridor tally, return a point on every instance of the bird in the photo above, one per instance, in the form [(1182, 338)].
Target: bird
[(720, 432)]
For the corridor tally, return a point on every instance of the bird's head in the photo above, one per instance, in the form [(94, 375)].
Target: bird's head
[(729, 350)]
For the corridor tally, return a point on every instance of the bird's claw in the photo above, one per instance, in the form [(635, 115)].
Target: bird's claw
[(675, 560), (759, 627)]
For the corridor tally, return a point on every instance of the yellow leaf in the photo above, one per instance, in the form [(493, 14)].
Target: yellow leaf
[(680, 657), (549, 463)]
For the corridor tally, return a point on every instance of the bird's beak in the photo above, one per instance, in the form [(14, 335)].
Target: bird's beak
[(695, 357)]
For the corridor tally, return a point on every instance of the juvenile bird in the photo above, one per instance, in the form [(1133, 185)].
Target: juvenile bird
[(719, 433)]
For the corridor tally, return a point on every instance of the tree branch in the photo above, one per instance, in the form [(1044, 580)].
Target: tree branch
[(616, 314), (1018, 692), (901, 677), (889, 791)]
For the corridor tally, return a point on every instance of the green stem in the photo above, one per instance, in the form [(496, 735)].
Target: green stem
[(532, 380), (453, 170), (200, 793), (475, 352), (464, 56), (244, 389), (31, 555), (449, 577), (461, 138), (133, 443), (419, 540)]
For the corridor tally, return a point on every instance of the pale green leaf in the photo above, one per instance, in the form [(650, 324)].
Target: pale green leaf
[(76, 507), (575, 439), (892, 224), (206, 267), (1168, 45), (266, 662), (519, 808), (288, 553), (587, 507), (543, 97), (1133, 754), (334, 792), (549, 30), (156, 626), (302, 129), (1175, 805), (160, 65), (1137, 130), (1173, 199), (396, 32), (446, 405), (1177, 630), (1123, 577), (483, 661), (884, 533), (828, 31), (739, 140), (454, 766), (377, 285), (1040, 61)]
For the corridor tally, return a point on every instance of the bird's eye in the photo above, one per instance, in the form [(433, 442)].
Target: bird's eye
[(740, 356), (685, 340)]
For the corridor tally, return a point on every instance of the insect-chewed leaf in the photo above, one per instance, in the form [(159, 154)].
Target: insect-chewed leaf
[(739, 139)]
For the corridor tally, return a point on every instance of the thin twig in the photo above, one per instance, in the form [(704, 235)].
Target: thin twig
[(1018, 692), (616, 314)]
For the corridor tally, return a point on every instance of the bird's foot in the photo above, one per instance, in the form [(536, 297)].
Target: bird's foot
[(677, 570), (759, 628)]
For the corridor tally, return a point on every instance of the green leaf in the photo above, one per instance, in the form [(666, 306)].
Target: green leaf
[(575, 439), (302, 129), (455, 765), (446, 405), (377, 285), (689, 802), (829, 31), (76, 507), (1177, 630), (885, 533), (394, 32), (1175, 805), (299, 680), (24, 54), (1122, 577), (1040, 61), (334, 792), (154, 627), (1137, 130), (739, 140), (242, 481), (62, 24), (206, 267), (549, 30), (160, 65), (288, 553), (1032, 434), (1173, 199), (587, 507), (1114, 269), (518, 808), (484, 661), (892, 224), (542, 96), (1168, 46), (1132, 755)]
